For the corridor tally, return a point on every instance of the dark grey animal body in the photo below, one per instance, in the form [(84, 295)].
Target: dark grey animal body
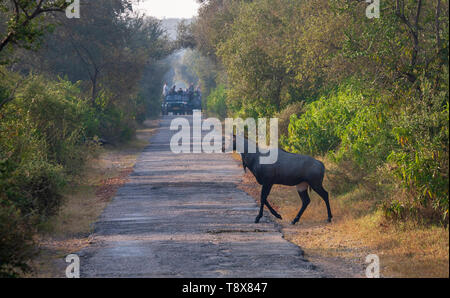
[(290, 169)]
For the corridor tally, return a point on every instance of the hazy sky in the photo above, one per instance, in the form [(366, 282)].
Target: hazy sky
[(169, 8)]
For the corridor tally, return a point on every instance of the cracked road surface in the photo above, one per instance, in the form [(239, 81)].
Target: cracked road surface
[(181, 215)]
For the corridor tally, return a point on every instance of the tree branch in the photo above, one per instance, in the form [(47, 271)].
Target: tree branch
[(38, 10)]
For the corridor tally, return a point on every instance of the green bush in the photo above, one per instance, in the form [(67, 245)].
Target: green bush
[(114, 126), (42, 145), (421, 158), (367, 138), (16, 243), (216, 102), (348, 124), (318, 130), (39, 184), (115, 123), (56, 112)]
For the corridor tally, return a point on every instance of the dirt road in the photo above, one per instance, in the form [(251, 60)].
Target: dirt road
[(181, 215)]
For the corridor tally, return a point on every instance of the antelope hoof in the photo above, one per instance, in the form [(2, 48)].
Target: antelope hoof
[(294, 222), (278, 216), (329, 220), (257, 219)]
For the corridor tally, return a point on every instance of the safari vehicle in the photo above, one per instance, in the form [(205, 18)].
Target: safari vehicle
[(180, 104), (177, 104)]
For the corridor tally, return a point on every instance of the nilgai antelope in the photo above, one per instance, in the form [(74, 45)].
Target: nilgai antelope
[(290, 169)]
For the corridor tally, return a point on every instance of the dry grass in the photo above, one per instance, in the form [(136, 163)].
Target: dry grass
[(358, 228), (85, 200)]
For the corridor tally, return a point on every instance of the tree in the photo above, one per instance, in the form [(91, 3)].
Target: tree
[(108, 48), (212, 25), (185, 36), (26, 20), (407, 40)]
